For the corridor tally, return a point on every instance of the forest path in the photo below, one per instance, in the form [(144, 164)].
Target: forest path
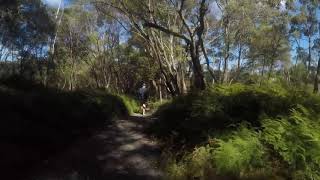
[(121, 150)]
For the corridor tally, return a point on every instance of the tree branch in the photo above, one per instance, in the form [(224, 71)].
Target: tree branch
[(168, 31)]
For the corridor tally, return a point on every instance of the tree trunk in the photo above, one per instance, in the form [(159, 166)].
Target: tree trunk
[(262, 71), (225, 67), (263, 67), (51, 61), (316, 80), (183, 88), (199, 81), (160, 90), (96, 79), (271, 69), (219, 69), (309, 54), (239, 61)]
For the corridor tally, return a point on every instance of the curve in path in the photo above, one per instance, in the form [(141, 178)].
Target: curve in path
[(120, 151)]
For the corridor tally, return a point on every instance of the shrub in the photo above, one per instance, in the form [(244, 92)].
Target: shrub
[(224, 107), (296, 139), (130, 103), (235, 155), (288, 145), (155, 105), (240, 153), (195, 165), (260, 132), (216, 108)]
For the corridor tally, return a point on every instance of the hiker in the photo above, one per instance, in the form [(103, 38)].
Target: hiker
[(143, 98)]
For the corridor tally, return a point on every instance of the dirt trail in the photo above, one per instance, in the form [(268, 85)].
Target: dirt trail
[(120, 151)]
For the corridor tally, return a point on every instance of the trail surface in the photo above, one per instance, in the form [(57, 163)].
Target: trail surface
[(121, 150)]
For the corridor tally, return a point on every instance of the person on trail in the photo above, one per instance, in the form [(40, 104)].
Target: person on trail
[(143, 98)]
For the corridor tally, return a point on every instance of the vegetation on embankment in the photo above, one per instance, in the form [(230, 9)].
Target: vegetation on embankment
[(37, 122), (131, 103), (242, 132)]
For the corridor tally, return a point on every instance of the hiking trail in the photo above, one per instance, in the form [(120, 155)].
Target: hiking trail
[(120, 150)]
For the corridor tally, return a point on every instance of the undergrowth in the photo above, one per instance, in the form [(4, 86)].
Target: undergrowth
[(243, 132), (37, 122), (131, 104)]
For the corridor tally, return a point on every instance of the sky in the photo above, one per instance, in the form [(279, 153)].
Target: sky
[(54, 3)]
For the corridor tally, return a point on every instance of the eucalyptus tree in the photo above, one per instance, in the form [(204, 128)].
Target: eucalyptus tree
[(237, 22), (244, 18), (71, 49), (25, 27), (151, 14), (164, 49), (305, 22), (269, 42), (317, 74), (268, 45)]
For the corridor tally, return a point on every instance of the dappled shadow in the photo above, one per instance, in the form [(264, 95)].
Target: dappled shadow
[(119, 151)]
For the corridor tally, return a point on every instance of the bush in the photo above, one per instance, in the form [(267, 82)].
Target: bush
[(234, 156), (288, 146), (196, 165), (130, 103), (240, 153), (296, 139), (259, 132), (225, 107), (155, 105)]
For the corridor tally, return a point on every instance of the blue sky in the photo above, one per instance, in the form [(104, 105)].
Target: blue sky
[(55, 3)]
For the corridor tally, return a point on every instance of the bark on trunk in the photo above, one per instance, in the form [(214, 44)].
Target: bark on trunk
[(309, 55), (239, 61), (199, 82), (160, 90), (225, 67), (316, 80)]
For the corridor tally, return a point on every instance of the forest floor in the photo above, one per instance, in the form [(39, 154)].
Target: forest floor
[(120, 150)]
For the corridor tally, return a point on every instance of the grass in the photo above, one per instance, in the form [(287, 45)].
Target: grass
[(131, 103)]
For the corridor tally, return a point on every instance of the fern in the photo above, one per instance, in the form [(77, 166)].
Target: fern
[(240, 153), (296, 140)]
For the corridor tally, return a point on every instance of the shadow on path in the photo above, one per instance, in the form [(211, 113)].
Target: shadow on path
[(120, 151)]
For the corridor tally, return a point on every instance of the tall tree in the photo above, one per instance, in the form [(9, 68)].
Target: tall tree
[(317, 75), (25, 28), (149, 13), (305, 21)]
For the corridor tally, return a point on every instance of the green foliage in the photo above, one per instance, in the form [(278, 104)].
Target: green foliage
[(239, 153), (288, 145), (299, 74), (155, 105), (24, 23), (197, 164), (130, 103), (296, 139), (259, 132), (223, 107)]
